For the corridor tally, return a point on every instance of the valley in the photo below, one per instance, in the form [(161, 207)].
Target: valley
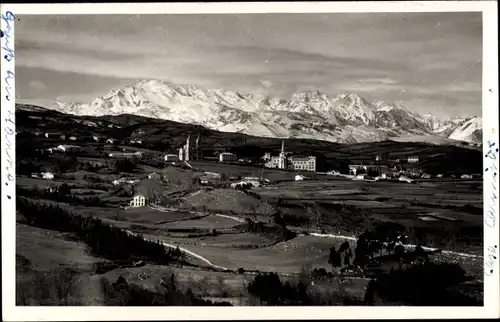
[(219, 239)]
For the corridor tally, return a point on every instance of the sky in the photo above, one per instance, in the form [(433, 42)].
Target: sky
[(431, 62)]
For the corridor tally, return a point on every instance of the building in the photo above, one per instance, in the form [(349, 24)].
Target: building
[(110, 141), (413, 159), (47, 175), (369, 170), (116, 182), (184, 150), (138, 201), (154, 176), (302, 163), (299, 178), (51, 189), (125, 154), (227, 157), (49, 135), (67, 148), (246, 183), (95, 138), (382, 158), (72, 138), (466, 176), (171, 157), (282, 161)]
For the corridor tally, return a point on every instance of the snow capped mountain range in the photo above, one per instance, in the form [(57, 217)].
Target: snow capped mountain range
[(346, 118)]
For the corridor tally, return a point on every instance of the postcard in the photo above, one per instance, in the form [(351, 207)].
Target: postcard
[(249, 160)]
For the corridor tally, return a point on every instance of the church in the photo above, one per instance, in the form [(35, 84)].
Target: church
[(283, 161)]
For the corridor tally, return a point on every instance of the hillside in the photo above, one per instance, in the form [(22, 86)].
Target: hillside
[(346, 118), (166, 136)]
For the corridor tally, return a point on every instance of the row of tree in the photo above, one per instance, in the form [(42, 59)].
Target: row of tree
[(104, 240), (432, 284), (61, 194), (340, 257)]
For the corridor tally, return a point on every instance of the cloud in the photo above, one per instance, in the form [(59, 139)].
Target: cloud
[(36, 85), (415, 57)]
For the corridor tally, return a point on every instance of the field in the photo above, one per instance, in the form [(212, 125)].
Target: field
[(227, 235)]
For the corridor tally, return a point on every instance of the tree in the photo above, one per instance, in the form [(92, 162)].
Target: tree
[(399, 250), (334, 258), (345, 246), (278, 220), (422, 285), (266, 287), (318, 214), (348, 257)]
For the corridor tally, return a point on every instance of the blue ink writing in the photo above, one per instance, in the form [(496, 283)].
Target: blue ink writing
[(490, 259), (9, 119), (490, 216), (8, 17)]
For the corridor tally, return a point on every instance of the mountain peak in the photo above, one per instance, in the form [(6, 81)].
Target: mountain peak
[(309, 114)]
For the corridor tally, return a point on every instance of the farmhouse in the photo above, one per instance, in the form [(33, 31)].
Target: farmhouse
[(138, 201), (249, 183), (68, 148), (171, 157), (154, 176), (52, 134), (299, 177), (370, 170), (227, 157), (125, 154), (413, 159), (47, 175), (51, 189)]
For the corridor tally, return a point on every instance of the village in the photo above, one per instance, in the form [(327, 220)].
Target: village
[(382, 168), (234, 214)]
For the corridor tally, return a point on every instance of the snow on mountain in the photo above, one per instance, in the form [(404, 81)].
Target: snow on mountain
[(346, 118), (469, 130)]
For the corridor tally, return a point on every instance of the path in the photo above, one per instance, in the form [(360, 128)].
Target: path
[(312, 234)]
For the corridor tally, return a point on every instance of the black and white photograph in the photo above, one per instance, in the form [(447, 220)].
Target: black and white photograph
[(249, 159)]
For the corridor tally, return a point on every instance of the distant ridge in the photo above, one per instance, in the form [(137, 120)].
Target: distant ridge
[(346, 118)]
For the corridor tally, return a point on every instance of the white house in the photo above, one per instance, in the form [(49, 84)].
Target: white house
[(138, 201), (66, 148), (299, 177), (171, 157), (47, 175), (413, 159), (72, 138), (154, 176), (227, 157), (110, 141)]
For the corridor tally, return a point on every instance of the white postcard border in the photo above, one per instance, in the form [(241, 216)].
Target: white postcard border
[(490, 129)]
